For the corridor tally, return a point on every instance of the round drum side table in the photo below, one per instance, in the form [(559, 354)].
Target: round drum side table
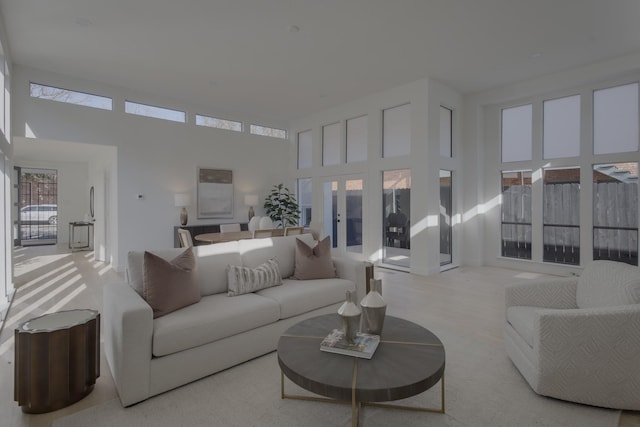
[(57, 359)]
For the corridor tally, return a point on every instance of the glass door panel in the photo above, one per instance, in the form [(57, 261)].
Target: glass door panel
[(342, 213), (445, 217), (330, 211), (353, 204), (396, 221)]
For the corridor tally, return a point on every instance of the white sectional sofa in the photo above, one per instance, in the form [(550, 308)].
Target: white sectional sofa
[(149, 356)]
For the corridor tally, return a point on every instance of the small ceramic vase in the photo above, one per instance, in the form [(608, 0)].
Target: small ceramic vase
[(374, 309), (350, 313)]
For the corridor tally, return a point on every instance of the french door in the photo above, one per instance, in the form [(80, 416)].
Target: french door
[(342, 212)]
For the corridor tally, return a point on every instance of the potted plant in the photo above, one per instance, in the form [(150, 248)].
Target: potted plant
[(282, 207)]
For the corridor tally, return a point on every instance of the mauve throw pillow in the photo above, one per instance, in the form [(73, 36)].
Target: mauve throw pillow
[(314, 263), (169, 285)]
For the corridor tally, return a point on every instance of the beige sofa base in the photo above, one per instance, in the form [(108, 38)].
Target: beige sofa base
[(177, 369)]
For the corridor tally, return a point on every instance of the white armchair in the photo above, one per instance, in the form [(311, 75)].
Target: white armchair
[(578, 339)]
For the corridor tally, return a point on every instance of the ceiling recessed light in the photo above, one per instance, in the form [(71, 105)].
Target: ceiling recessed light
[(83, 22), (293, 28)]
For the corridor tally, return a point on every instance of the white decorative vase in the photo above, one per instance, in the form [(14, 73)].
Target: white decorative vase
[(350, 313), (374, 309)]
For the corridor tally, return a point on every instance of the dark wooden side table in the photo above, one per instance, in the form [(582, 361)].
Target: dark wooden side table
[(57, 359)]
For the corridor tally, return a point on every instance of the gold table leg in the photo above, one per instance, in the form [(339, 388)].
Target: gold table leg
[(355, 406)]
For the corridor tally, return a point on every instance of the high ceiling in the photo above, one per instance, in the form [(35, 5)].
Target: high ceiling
[(246, 56)]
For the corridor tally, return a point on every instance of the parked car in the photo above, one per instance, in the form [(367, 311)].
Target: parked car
[(39, 214)]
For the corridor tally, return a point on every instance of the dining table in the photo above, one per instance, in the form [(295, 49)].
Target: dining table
[(230, 236)]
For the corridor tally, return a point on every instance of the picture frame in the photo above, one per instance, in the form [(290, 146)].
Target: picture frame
[(215, 193)]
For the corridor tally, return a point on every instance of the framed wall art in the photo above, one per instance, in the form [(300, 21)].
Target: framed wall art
[(215, 193)]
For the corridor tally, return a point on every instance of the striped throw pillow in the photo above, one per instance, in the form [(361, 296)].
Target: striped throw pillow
[(244, 280)]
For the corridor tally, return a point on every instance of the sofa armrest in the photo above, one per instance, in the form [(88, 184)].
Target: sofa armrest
[(128, 335), (552, 293), (596, 349), (353, 270)]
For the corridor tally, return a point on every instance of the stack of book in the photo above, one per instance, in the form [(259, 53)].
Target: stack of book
[(363, 346)]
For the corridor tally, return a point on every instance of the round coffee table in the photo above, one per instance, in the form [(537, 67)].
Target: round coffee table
[(408, 361)]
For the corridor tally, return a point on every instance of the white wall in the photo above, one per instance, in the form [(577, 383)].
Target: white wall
[(425, 97), (155, 158), (6, 158), (481, 141)]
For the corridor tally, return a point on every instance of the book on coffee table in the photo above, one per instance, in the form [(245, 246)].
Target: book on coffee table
[(363, 346)]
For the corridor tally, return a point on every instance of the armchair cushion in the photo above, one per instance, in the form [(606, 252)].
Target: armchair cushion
[(607, 284), (523, 321)]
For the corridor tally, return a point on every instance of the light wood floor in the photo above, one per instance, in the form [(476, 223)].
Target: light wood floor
[(49, 278)]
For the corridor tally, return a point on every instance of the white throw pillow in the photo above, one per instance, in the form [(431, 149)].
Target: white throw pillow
[(244, 280)]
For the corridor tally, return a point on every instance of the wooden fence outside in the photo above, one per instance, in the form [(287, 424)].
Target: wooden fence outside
[(615, 220)]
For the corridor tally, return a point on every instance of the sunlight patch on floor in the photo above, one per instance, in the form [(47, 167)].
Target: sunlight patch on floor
[(31, 264), (32, 308)]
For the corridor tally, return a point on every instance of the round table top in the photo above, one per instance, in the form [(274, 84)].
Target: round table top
[(59, 320), (408, 361)]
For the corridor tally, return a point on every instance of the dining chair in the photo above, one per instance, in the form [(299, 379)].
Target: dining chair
[(227, 228), (253, 223), (290, 231), (262, 232), (265, 223), (316, 229), (185, 238)]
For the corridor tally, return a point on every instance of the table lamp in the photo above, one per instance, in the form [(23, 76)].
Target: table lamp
[(182, 200), (251, 200)]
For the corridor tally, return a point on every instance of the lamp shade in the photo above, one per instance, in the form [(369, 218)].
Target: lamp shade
[(182, 199), (250, 200)]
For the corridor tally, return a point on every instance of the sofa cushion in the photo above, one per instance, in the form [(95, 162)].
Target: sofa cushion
[(135, 265), (244, 280), (301, 296), (608, 283), (169, 285), (213, 318), (313, 262), (523, 319), (257, 251), (211, 274)]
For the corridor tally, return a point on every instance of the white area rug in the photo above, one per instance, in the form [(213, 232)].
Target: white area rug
[(482, 389)]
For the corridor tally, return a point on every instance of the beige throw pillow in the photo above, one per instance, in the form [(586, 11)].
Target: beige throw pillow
[(169, 285), (244, 280), (314, 263)]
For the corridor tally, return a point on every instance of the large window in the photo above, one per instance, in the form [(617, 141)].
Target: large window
[(561, 125), (331, 144), (396, 131), (267, 131), (70, 96), (357, 139), (155, 112), (305, 150), (516, 214), (561, 216), (615, 212), (517, 135), (615, 119), (214, 122), (446, 132)]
